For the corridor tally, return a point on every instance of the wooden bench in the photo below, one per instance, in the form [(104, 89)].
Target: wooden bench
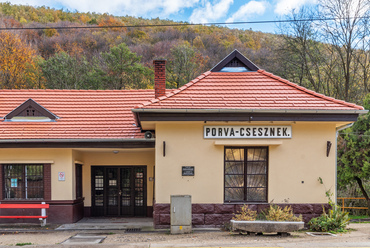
[(41, 206)]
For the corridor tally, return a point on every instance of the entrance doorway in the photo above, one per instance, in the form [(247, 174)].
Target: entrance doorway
[(118, 191)]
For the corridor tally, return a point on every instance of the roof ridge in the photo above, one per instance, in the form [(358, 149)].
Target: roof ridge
[(311, 92), (174, 92), (72, 90)]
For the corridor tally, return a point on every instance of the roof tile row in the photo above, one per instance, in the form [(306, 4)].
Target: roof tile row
[(102, 114)]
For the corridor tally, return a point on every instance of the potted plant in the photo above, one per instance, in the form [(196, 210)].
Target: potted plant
[(275, 219)]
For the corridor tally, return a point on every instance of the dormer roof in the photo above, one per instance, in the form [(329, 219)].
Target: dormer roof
[(28, 110), (235, 60)]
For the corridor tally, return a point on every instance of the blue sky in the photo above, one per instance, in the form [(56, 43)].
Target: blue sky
[(195, 11)]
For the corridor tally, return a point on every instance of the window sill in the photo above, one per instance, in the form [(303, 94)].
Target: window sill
[(248, 142), (27, 162), (246, 203)]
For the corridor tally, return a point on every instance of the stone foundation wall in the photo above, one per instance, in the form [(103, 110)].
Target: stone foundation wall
[(215, 215)]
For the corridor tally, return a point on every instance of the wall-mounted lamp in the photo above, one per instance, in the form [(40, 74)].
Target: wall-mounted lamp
[(164, 148), (328, 146)]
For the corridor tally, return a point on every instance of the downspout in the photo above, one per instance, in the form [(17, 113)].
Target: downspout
[(338, 129)]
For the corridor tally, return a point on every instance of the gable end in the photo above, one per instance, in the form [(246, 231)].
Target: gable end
[(30, 108), (235, 59)]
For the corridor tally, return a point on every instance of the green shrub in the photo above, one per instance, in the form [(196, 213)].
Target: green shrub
[(276, 213), (245, 214), (335, 220)]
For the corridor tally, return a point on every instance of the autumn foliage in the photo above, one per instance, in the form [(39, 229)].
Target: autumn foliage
[(190, 50), (18, 69), (89, 58)]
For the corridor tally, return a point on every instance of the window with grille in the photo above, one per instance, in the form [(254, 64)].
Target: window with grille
[(246, 174), (23, 181)]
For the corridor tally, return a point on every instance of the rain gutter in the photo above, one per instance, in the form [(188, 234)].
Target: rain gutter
[(324, 111), (75, 140)]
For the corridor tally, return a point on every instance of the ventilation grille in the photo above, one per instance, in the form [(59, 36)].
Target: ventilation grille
[(133, 230)]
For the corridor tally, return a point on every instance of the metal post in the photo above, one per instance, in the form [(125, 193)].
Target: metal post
[(43, 214)]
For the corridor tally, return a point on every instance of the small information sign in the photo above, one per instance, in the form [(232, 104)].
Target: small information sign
[(188, 171), (61, 176)]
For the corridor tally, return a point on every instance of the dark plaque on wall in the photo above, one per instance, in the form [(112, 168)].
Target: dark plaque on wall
[(188, 171)]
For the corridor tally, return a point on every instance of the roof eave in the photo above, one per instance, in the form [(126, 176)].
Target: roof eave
[(78, 143), (76, 140), (303, 111)]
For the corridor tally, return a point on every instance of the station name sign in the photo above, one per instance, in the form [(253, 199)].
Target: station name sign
[(247, 132)]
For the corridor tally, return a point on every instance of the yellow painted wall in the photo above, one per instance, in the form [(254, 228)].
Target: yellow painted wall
[(60, 190), (64, 161), (302, 158), (126, 158)]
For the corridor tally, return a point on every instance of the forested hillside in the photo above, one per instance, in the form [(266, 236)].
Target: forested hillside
[(121, 57), (92, 58)]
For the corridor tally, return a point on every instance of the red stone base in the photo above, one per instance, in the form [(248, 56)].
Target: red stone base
[(216, 215)]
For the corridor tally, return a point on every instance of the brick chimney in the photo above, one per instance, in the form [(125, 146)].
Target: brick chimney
[(159, 77)]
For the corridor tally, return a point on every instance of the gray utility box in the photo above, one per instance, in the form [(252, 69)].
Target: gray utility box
[(180, 214)]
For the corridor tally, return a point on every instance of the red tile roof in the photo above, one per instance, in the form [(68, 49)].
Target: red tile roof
[(83, 114), (245, 90), (107, 114)]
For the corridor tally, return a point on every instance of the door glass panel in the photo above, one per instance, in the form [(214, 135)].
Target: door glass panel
[(139, 187), (99, 196), (126, 182), (112, 187), (99, 187), (126, 197), (139, 197), (139, 183), (112, 197), (126, 187)]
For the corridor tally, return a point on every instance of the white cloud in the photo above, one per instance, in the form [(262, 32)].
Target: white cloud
[(252, 7), (160, 8), (210, 11), (284, 7)]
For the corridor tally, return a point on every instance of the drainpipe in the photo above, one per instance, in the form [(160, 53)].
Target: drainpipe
[(336, 157)]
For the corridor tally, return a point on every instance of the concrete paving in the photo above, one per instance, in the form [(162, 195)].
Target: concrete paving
[(84, 239), (128, 224)]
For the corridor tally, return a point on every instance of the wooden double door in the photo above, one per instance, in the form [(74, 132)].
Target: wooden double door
[(118, 191)]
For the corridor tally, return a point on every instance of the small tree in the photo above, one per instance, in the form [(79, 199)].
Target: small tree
[(63, 71), (184, 65), (354, 153), (17, 63), (123, 69)]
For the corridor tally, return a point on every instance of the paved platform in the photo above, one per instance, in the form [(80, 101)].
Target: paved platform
[(84, 239), (115, 223)]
